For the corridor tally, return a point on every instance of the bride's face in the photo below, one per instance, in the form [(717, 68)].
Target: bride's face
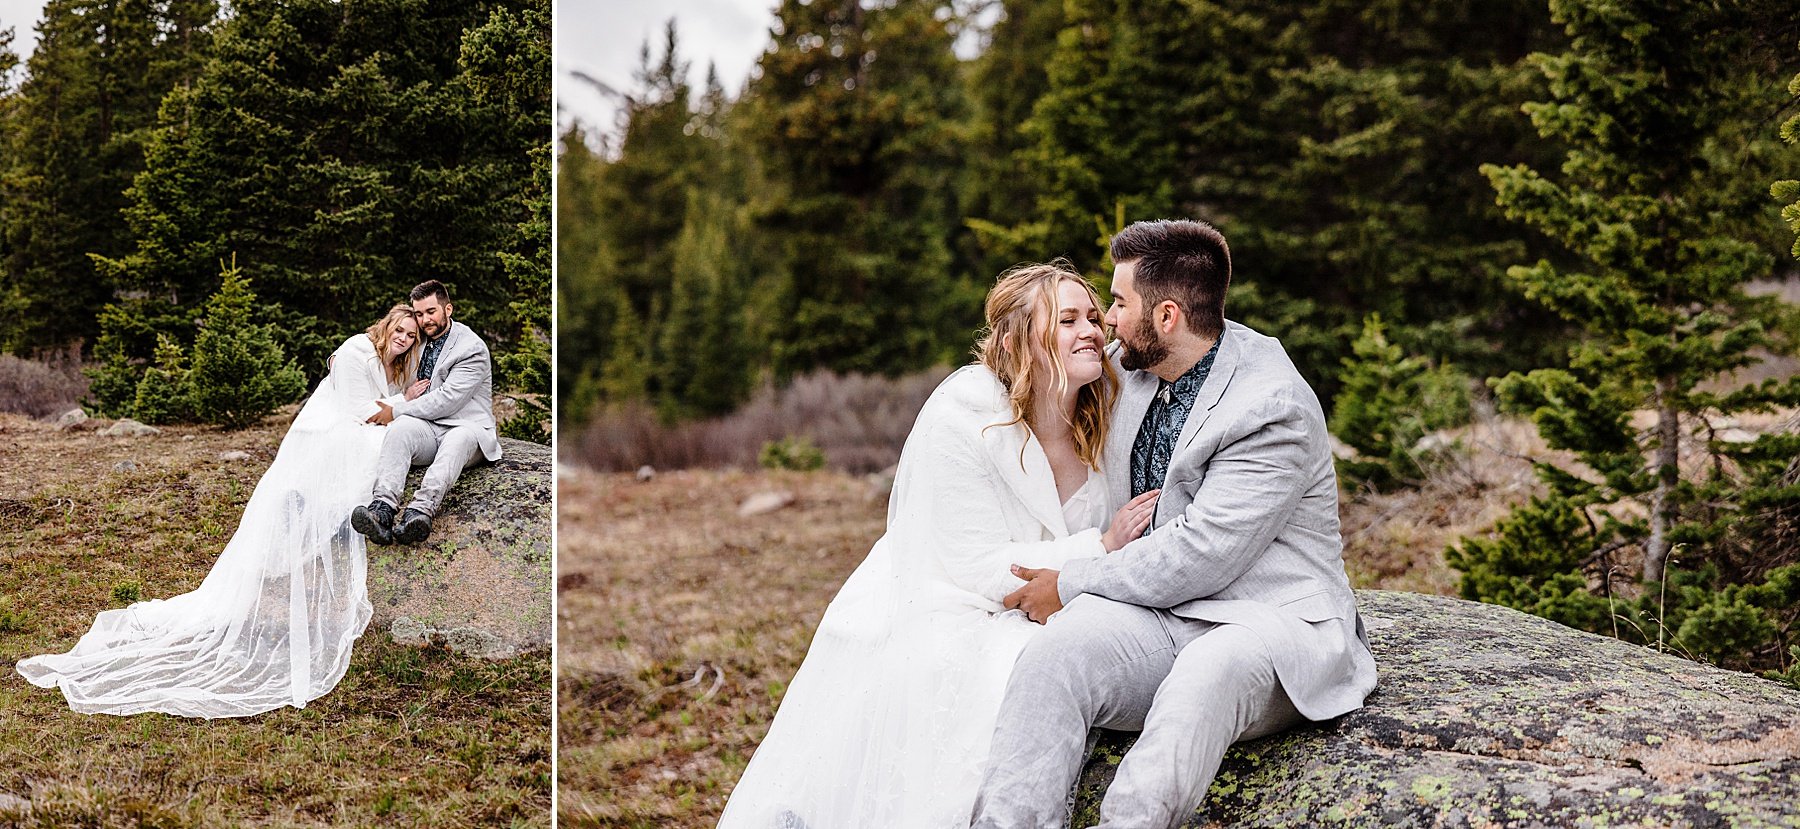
[(405, 334), (1079, 335)]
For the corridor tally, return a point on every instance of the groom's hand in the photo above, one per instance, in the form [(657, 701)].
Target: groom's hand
[(1038, 598), (383, 417)]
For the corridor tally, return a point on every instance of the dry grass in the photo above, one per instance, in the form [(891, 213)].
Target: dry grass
[(1396, 540), (680, 625), (860, 421), (411, 737), (48, 385)]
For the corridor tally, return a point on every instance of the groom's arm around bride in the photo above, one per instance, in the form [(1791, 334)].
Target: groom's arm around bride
[(450, 426), (1232, 617)]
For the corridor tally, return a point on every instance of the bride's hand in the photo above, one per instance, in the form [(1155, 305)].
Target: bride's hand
[(1129, 522)]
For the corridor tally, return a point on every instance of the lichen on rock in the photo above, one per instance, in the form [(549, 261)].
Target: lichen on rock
[(1486, 716), (481, 583)]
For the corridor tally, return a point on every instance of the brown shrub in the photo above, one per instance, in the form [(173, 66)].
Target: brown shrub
[(860, 421), (49, 384)]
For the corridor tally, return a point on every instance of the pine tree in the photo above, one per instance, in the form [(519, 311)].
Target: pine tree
[(76, 139), (856, 115), (239, 373), (1650, 202), (1389, 402), (507, 64), (1005, 83), (584, 272), (702, 349), (641, 202), (164, 394), (345, 152)]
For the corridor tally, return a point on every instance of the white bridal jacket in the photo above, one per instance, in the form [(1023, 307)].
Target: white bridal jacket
[(888, 721)]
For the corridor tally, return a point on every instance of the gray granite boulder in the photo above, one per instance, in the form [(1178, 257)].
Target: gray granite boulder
[(481, 583), (1486, 717)]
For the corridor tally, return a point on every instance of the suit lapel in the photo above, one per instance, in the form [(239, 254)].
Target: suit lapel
[(443, 362), (1225, 365), (1137, 389)]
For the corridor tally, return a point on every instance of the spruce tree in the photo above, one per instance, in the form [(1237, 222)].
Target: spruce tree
[(1389, 402), (76, 138), (239, 372), (640, 204), (164, 394), (702, 349), (1650, 203), (584, 274), (506, 62), (855, 112), (346, 152)]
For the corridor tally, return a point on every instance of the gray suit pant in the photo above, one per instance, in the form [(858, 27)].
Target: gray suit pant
[(1192, 687), (413, 442)]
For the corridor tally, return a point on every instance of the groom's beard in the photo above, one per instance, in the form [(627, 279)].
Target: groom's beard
[(1142, 349)]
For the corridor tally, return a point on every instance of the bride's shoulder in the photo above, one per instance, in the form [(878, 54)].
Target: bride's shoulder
[(970, 391), (358, 343)]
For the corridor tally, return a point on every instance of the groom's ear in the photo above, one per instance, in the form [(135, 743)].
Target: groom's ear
[(1168, 316)]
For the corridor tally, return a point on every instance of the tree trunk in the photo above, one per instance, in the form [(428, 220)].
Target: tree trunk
[(1668, 475)]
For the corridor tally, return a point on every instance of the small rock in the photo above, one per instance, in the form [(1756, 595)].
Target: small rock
[(125, 466), (1433, 443), (646, 473), (1737, 436), (464, 640), (764, 502), (234, 455), (881, 484), (14, 807), (130, 428), (1341, 450), (70, 418)]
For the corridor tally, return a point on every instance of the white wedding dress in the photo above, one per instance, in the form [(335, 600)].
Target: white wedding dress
[(888, 721), (273, 622)]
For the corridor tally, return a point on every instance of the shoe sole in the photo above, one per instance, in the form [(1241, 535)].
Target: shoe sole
[(362, 522), (412, 534)]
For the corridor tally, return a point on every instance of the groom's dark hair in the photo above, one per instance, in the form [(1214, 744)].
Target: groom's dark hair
[(1179, 260), (430, 287)]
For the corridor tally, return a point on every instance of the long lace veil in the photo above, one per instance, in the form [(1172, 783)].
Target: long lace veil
[(273, 622)]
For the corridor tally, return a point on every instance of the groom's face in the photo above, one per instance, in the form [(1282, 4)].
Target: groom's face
[(1140, 345), (433, 315)]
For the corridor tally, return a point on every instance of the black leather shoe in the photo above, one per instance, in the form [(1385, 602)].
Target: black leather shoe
[(413, 528), (374, 521)]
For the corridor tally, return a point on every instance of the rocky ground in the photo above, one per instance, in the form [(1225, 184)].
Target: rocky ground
[(413, 736), (1486, 716)]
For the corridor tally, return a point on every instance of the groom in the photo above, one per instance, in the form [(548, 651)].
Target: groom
[(1231, 618), (446, 420)]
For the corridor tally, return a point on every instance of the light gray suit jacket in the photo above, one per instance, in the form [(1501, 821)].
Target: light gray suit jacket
[(462, 389), (1246, 528)]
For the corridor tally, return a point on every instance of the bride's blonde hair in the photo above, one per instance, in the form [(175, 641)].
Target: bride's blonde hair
[(1021, 309), (382, 332)]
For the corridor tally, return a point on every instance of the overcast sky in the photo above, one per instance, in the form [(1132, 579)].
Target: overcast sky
[(601, 39), (21, 16)]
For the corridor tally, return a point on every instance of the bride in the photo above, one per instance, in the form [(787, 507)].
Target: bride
[(273, 622), (888, 721)]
